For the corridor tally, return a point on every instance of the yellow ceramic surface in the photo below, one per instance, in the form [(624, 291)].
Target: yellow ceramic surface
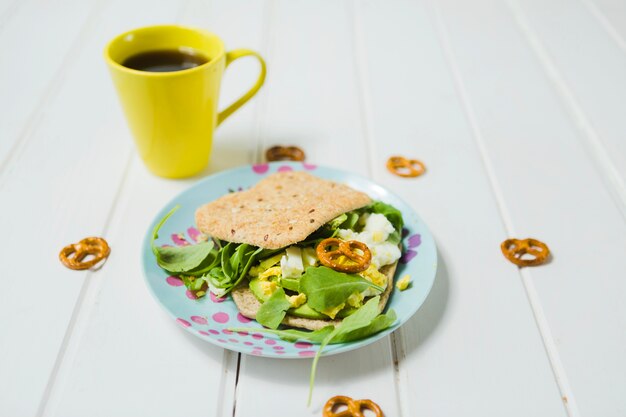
[(172, 115)]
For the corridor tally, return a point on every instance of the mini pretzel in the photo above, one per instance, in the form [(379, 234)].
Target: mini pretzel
[(514, 249), (284, 153), (355, 407), (95, 246), (346, 248), (403, 167)]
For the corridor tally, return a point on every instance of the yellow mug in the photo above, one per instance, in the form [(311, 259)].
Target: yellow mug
[(172, 115)]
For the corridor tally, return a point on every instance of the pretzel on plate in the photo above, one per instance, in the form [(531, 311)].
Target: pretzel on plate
[(331, 257)]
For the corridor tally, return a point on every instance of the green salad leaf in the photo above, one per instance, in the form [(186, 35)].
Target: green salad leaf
[(326, 288), (293, 335), (273, 311), (181, 259)]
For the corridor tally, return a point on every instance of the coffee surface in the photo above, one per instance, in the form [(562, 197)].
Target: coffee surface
[(165, 60)]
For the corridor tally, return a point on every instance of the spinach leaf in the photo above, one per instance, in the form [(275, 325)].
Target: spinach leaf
[(179, 259), (236, 260), (272, 312), (326, 288)]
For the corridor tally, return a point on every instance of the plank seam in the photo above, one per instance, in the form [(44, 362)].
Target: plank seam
[(602, 161), (605, 23), (540, 320), (80, 308), (396, 339), (53, 88)]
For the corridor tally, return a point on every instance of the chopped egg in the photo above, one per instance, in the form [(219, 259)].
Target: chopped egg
[(291, 263), (271, 272), (375, 233), (356, 300), (309, 257), (332, 312), (403, 283), (375, 277), (297, 300), (268, 287)]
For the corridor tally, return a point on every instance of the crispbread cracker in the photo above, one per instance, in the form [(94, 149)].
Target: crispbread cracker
[(248, 304), (280, 210)]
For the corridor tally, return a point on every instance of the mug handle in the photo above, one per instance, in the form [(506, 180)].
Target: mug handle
[(230, 57)]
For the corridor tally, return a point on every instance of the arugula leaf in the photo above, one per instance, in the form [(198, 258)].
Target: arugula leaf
[(326, 288), (378, 324), (179, 259), (291, 335), (273, 311)]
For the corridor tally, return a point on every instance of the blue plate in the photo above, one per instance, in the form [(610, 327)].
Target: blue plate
[(210, 318)]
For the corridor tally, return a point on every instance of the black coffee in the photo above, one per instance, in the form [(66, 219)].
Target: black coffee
[(165, 60)]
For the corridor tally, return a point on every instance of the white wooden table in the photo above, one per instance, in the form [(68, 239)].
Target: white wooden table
[(518, 109)]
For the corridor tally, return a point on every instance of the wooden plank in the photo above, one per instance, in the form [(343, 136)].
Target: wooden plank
[(59, 189), (34, 64), (473, 349), (164, 370), (612, 16), (313, 102), (587, 68), (549, 188)]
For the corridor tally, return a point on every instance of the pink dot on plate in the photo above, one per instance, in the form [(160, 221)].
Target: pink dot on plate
[(191, 295), (303, 345), (306, 353), (270, 342), (280, 352), (233, 340), (174, 281), (257, 352), (199, 319), (308, 167), (220, 317), (285, 168), (243, 333), (248, 343), (257, 336), (243, 319), (277, 347), (226, 331), (183, 322), (193, 233), (216, 299), (221, 340), (260, 168), (204, 333), (213, 331)]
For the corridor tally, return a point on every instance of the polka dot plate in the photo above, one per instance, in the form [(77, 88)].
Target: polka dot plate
[(210, 317)]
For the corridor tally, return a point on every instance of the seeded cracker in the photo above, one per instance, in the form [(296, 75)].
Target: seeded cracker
[(280, 210)]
